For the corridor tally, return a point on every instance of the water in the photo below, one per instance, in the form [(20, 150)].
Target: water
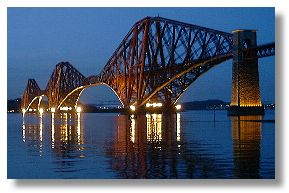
[(184, 145)]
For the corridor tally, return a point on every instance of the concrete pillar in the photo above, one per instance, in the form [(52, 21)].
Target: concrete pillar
[(246, 97)]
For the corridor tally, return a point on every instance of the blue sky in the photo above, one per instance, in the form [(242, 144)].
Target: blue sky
[(39, 38)]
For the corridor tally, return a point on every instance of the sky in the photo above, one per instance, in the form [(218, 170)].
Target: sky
[(39, 38)]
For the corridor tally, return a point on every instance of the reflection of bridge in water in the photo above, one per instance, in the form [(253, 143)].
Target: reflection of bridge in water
[(146, 146), (64, 136), (155, 63), (246, 133), (153, 146)]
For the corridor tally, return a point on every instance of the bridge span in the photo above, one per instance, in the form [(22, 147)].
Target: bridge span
[(156, 62)]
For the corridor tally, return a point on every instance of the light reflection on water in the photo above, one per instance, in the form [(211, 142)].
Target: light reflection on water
[(246, 142), (182, 145)]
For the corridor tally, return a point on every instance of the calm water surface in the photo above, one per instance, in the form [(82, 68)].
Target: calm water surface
[(184, 145)]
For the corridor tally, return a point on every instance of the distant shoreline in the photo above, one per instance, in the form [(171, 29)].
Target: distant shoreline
[(14, 106), (122, 111)]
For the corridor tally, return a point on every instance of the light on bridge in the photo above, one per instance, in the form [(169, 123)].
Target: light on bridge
[(78, 109), (53, 110), (154, 105), (178, 107), (65, 108), (23, 111), (132, 108), (41, 111)]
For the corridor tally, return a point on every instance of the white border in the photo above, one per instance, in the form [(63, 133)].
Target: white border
[(279, 185), (134, 3)]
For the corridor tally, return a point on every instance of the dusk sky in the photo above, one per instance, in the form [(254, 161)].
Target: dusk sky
[(39, 38)]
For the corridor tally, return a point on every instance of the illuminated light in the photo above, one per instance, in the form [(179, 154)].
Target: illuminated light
[(52, 110), (64, 108), (52, 131), (132, 108), (41, 131), (23, 131), (30, 110), (65, 127), (23, 111), (133, 125), (178, 107), (154, 105), (178, 127), (157, 104), (78, 129), (78, 109), (41, 110), (154, 127)]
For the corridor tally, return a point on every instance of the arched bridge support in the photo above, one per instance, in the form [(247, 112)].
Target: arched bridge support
[(64, 87), (32, 97), (246, 98)]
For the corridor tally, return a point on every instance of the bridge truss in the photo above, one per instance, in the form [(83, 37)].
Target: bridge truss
[(155, 62), (157, 49), (64, 79), (32, 92)]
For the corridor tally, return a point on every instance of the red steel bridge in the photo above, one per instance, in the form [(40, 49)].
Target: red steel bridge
[(156, 62)]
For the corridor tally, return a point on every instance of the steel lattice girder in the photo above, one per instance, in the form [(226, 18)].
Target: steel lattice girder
[(31, 91), (64, 79), (157, 60), (260, 51), (266, 50), (157, 49)]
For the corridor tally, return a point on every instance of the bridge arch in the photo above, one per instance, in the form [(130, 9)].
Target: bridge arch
[(34, 101), (80, 90), (44, 102), (25, 109)]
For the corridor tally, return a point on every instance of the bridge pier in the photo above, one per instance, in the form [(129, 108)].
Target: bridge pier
[(246, 98)]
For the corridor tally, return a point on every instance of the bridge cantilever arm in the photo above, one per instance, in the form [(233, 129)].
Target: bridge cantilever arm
[(220, 58)]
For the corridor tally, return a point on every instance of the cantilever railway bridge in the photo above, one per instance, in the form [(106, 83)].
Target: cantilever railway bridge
[(157, 61)]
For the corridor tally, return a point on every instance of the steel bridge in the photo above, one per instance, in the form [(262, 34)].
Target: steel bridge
[(156, 62)]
